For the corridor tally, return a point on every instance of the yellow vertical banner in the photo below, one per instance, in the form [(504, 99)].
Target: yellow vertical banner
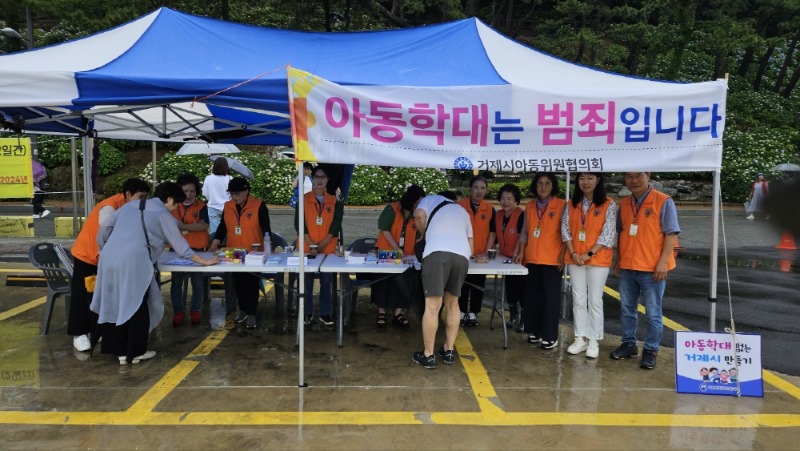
[(16, 172)]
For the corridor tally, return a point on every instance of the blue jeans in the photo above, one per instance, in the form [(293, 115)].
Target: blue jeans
[(632, 286), (325, 298), (214, 218), (176, 290)]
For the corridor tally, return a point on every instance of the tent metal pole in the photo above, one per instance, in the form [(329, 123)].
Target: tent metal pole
[(714, 260), (75, 201), (301, 298), (154, 163), (88, 188), (566, 307)]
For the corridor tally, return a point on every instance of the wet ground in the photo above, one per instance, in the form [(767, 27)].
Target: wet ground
[(216, 386)]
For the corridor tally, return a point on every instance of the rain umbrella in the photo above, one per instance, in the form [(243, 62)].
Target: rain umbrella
[(206, 149), (236, 165), (788, 167), (39, 172)]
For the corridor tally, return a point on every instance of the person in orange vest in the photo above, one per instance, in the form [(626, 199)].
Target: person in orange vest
[(245, 220), (541, 250), (81, 321), (588, 229), (508, 224), (323, 222), (192, 217), (397, 231), (481, 214), (647, 228)]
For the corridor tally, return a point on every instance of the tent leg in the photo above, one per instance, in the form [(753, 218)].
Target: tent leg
[(714, 260)]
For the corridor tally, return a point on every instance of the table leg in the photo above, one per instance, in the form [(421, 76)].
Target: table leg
[(341, 307)]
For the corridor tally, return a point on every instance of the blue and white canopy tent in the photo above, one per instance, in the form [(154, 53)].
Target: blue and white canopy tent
[(170, 76)]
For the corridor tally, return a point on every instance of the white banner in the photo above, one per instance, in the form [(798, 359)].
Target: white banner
[(677, 127)]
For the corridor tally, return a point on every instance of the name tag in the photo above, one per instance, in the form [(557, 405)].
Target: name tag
[(402, 241), (582, 236), (633, 230), (536, 232), (237, 230), (319, 220), (184, 232)]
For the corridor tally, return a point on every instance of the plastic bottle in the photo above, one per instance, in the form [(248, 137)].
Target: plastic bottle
[(267, 245)]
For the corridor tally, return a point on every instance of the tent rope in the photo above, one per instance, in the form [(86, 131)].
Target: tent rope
[(238, 84), (732, 329)]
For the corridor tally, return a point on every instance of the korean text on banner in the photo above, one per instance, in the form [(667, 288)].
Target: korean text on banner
[(706, 363), (508, 128), (16, 172)]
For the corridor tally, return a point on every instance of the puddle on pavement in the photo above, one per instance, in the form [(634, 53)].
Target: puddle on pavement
[(784, 265)]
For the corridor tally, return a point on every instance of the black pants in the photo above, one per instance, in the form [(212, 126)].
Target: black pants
[(38, 199), (129, 338), (247, 288), (542, 301), (385, 294), (80, 320), (515, 289), (471, 297)]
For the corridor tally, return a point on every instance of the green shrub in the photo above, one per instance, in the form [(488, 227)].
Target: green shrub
[(113, 184), (429, 179), (55, 152), (111, 159), (368, 186)]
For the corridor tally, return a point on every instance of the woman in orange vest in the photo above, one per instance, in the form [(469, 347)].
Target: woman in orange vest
[(245, 220), (323, 221), (540, 248), (397, 231), (508, 225), (192, 216), (588, 228), (481, 215)]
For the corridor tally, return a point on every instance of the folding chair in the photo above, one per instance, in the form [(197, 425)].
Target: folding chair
[(362, 246), (54, 262)]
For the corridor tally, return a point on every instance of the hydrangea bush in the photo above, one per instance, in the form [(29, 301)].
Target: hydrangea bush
[(429, 179), (368, 186)]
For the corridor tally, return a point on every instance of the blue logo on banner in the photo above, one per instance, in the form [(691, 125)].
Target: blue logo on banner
[(462, 163)]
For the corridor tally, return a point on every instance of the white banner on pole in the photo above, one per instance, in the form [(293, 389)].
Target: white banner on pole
[(677, 127)]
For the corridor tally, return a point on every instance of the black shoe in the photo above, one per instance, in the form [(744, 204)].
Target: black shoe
[(625, 351), (548, 344), (326, 320), (533, 339), (472, 319), (648, 361), (448, 357), (420, 358), (309, 320)]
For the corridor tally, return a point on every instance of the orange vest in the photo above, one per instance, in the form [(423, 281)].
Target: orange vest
[(595, 219), (197, 239), (642, 252), (318, 232), (546, 249), (480, 224), (247, 220), (507, 239), (397, 229), (85, 247)]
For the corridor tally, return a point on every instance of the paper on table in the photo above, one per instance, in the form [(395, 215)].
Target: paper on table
[(274, 260), (179, 262)]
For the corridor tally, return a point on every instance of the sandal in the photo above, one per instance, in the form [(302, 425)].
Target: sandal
[(401, 321), (381, 321)]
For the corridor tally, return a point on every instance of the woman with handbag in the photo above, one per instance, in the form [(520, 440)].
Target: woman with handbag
[(127, 296)]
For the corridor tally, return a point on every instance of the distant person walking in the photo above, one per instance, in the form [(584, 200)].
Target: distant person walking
[(758, 192)]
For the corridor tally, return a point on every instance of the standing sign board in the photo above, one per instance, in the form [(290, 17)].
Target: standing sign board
[(712, 364), (16, 172)]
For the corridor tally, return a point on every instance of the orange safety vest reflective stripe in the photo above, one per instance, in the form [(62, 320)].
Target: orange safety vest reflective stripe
[(247, 220), (546, 249), (595, 220), (85, 247), (507, 239), (642, 252), (396, 231), (197, 239), (480, 224)]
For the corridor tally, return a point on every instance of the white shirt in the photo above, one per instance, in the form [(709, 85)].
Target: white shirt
[(450, 229), (215, 190)]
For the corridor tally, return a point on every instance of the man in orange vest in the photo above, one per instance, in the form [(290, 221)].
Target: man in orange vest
[(647, 225), (192, 216), (81, 320)]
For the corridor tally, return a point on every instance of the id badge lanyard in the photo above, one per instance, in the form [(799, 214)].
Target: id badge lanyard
[(582, 232), (319, 212), (634, 229), (540, 214), (238, 230)]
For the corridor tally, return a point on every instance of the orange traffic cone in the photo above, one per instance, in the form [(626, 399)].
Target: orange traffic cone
[(787, 242)]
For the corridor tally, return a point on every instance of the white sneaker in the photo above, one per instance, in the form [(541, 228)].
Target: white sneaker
[(145, 356), (751, 217), (82, 343), (35, 216), (45, 213), (593, 350), (577, 346)]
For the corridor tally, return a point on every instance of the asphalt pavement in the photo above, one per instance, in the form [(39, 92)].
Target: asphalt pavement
[(756, 281)]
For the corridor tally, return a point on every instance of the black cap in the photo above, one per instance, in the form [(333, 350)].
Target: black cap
[(238, 184)]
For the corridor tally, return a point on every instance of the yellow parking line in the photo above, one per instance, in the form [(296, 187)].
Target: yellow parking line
[(22, 308), (488, 401)]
